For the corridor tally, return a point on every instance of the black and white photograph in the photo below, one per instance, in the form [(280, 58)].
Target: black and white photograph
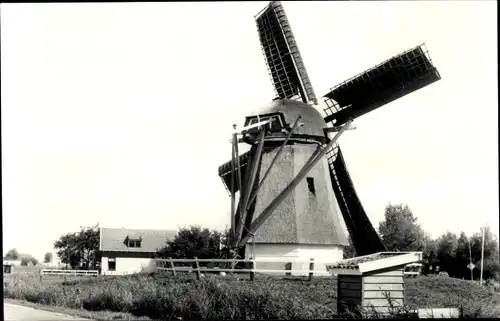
[(249, 160)]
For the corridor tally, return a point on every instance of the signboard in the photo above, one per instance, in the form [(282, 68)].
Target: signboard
[(471, 266)]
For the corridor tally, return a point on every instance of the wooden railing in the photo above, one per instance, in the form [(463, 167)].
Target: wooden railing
[(229, 266), (45, 272)]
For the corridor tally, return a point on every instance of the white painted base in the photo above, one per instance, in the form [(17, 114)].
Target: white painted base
[(438, 313), (281, 254), (128, 265)]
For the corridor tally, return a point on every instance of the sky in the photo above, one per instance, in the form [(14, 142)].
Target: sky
[(121, 113)]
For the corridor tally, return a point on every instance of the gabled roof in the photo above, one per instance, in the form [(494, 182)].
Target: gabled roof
[(377, 261), (114, 239)]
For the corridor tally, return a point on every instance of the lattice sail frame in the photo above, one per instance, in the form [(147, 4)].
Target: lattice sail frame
[(390, 80), (284, 62)]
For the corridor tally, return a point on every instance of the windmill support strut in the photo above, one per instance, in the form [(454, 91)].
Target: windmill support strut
[(287, 190), (249, 184), (238, 166), (278, 154), (238, 179), (233, 182)]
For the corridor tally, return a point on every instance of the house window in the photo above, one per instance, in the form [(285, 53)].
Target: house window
[(134, 243), (111, 264), (310, 185)]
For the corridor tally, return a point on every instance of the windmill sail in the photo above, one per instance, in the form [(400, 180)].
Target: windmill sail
[(384, 83), (282, 55), (225, 171), (380, 85), (364, 237)]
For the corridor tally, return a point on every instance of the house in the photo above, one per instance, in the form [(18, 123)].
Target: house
[(12, 262), (128, 251), (7, 268)]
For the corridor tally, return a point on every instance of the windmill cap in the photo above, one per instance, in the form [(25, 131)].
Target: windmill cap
[(312, 120)]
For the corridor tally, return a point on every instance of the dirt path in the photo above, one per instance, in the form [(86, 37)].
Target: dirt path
[(21, 313)]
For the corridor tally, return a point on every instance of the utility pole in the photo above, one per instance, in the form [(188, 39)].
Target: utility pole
[(470, 258), (482, 256)]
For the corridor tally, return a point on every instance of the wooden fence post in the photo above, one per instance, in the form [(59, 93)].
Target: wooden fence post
[(288, 266), (172, 266), (311, 269), (196, 266), (252, 267)]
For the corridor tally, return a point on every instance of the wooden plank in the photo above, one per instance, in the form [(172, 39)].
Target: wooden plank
[(383, 279), (383, 287), (398, 261), (386, 273), (349, 293), (381, 302), (189, 269), (349, 300), (350, 286), (349, 278), (381, 294), (336, 271)]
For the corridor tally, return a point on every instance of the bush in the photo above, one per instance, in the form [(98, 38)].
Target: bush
[(28, 260)]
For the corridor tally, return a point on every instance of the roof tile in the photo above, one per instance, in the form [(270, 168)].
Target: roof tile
[(113, 239)]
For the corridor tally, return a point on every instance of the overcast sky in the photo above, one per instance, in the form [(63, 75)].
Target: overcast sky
[(121, 113)]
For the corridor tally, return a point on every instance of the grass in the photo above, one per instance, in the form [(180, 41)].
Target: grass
[(163, 297), (433, 291)]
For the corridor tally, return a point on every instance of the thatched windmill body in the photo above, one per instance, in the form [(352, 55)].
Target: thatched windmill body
[(293, 182)]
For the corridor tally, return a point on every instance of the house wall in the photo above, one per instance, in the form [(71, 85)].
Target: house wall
[(320, 253), (12, 262), (128, 263)]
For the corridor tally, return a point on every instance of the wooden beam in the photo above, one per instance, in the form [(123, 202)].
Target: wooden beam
[(233, 182), (250, 182)]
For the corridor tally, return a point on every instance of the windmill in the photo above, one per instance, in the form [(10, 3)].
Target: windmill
[(294, 173)]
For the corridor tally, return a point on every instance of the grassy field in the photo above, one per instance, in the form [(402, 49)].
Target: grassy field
[(163, 297)]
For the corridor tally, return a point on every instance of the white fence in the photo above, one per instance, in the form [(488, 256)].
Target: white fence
[(45, 272), (229, 266)]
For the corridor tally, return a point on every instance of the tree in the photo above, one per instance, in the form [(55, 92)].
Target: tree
[(447, 245), (79, 250), (491, 269), (490, 254), (400, 230), (194, 242), (69, 251), (462, 257), (27, 259), (429, 253), (47, 258), (12, 255)]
